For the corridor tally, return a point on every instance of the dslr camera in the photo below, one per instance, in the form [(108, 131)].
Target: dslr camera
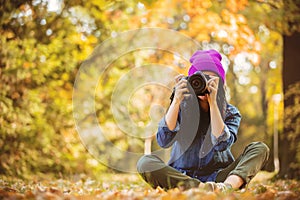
[(198, 82)]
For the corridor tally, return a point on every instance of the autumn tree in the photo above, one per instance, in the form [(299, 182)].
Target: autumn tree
[(290, 138), (42, 45)]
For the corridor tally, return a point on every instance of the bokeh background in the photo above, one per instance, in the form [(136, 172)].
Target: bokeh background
[(45, 42)]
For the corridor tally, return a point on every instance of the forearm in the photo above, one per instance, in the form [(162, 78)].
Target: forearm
[(216, 121), (172, 114)]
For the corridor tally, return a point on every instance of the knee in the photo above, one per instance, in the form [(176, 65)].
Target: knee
[(144, 163), (262, 148)]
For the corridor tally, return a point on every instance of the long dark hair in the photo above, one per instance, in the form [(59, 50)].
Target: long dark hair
[(190, 123), (221, 98)]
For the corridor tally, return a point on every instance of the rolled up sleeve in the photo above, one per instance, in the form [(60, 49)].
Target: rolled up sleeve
[(223, 137), (166, 137)]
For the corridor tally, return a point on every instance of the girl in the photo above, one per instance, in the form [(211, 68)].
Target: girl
[(201, 131)]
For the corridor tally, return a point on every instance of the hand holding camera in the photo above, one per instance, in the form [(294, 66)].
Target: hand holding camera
[(181, 88), (202, 84), (212, 87)]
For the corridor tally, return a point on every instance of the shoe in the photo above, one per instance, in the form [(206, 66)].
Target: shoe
[(188, 184), (217, 187)]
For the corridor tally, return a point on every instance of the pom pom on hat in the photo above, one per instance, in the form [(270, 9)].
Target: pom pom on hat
[(207, 60)]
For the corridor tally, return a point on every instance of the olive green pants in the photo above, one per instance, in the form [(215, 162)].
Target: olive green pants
[(156, 173)]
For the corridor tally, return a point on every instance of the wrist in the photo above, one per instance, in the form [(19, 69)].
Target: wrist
[(176, 101), (213, 104)]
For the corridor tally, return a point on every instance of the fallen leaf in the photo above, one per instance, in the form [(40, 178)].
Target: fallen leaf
[(286, 195)]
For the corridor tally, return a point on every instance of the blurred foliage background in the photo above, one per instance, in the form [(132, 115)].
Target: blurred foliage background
[(44, 42)]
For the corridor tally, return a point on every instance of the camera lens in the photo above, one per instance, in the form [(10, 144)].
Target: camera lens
[(198, 83)]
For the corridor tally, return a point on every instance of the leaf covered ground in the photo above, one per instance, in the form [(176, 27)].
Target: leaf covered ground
[(131, 186)]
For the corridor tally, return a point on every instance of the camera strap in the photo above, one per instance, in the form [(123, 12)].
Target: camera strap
[(172, 95)]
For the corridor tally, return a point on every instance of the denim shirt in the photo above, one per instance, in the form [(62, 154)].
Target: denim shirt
[(187, 144)]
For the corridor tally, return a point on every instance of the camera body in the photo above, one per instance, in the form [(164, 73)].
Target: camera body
[(198, 82)]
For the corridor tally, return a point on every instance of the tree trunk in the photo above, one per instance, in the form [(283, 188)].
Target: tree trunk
[(291, 72)]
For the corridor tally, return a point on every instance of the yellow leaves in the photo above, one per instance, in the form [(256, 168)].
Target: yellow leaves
[(65, 76), (26, 65), (81, 39), (15, 95), (174, 194), (254, 58), (286, 195), (226, 15), (257, 46), (236, 5), (269, 194), (102, 4), (130, 186), (8, 34), (241, 19), (159, 190), (204, 4), (202, 25)]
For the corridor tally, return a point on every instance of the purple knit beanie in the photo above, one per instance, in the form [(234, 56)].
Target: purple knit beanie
[(207, 60)]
